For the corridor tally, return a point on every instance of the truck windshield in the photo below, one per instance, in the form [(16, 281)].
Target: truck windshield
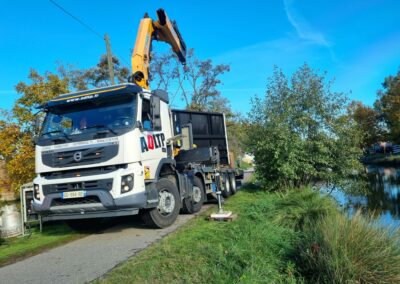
[(89, 117)]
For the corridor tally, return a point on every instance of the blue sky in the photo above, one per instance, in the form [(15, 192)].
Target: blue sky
[(356, 42)]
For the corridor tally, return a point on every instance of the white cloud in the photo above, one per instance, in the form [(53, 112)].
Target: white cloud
[(303, 29)]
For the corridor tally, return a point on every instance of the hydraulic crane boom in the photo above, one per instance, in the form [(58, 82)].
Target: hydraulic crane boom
[(162, 30)]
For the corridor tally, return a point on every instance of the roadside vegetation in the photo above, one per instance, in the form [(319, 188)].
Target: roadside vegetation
[(55, 234), (301, 132), (295, 236)]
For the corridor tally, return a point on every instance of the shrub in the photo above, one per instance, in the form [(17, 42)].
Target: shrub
[(301, 132)]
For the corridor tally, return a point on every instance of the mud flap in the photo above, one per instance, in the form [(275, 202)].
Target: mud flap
[(185, 185), (151, 195)]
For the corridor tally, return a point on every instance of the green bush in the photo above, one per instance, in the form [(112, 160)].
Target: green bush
[(301, 132), (337, 249)]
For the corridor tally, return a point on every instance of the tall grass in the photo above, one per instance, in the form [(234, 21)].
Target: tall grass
[(337, 249), (298, 207)]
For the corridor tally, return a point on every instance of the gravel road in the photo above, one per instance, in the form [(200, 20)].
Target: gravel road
[(88, 258)]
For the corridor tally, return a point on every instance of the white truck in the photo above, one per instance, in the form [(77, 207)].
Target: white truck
[(113, 152), (121, 150)]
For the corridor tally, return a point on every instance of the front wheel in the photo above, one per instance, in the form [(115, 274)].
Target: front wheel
[(194, 203), (168, 206)]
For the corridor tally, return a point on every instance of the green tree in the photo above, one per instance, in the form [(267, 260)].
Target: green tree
[(388, 105), (94, 77), (368, 121), (301, 132)]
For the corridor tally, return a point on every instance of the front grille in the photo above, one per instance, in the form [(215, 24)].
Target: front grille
[(88, 156), (82, 172), (75, 201), (105, 184), (84, 156)]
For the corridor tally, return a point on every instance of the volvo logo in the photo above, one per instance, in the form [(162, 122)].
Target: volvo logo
[(77, 186), (77, 156)]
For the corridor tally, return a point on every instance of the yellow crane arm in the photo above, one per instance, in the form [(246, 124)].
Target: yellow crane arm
[(162, 30)]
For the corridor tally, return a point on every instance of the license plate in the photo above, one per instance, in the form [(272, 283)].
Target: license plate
[(74, 194)]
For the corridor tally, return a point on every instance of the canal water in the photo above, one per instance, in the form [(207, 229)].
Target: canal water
[(382, 199)]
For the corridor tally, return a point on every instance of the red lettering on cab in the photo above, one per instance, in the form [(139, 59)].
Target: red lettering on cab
[(150, 142)]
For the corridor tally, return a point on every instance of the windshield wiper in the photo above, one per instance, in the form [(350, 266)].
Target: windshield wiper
[(58, 131), (102, 126)]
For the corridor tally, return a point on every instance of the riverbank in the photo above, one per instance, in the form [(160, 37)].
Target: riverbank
[(278, 237)]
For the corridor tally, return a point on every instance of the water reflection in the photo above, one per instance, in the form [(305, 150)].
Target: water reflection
[(383, 196), (385, 190)]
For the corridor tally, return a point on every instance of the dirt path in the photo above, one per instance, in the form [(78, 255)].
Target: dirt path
[(88, 258)]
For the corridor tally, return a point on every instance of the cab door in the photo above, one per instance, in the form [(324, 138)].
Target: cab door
[(152, 138)]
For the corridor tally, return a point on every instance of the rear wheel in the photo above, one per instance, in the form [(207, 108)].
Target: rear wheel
[(193, 204), (232, 181), (168, 206), (226, 186)]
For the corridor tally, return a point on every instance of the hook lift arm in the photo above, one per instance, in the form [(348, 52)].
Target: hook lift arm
[(162, 30)]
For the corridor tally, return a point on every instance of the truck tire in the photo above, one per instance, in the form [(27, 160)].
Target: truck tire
[(232, 181), (193, 204), (226, 185), (168, 208)]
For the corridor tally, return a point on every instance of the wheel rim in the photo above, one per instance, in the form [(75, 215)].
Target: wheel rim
[(166, 202), (196, 194)]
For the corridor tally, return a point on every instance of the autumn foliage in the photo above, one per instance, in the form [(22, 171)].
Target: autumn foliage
[(17, 127)]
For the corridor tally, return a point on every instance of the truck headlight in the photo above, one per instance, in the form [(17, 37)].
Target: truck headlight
[(36, 192), (126, 183)]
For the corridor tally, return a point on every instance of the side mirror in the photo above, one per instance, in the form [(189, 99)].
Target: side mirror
[(155, 112)]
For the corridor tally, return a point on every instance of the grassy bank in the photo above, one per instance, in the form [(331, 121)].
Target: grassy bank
[(14, 249), (290, 238)]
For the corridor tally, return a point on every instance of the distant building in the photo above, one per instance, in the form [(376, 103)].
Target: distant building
[(247, 158)]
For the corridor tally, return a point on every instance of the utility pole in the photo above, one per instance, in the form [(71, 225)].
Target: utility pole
[(109, 59)]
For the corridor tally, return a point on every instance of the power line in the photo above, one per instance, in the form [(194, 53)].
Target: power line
[(84, 25), (76, 19)]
